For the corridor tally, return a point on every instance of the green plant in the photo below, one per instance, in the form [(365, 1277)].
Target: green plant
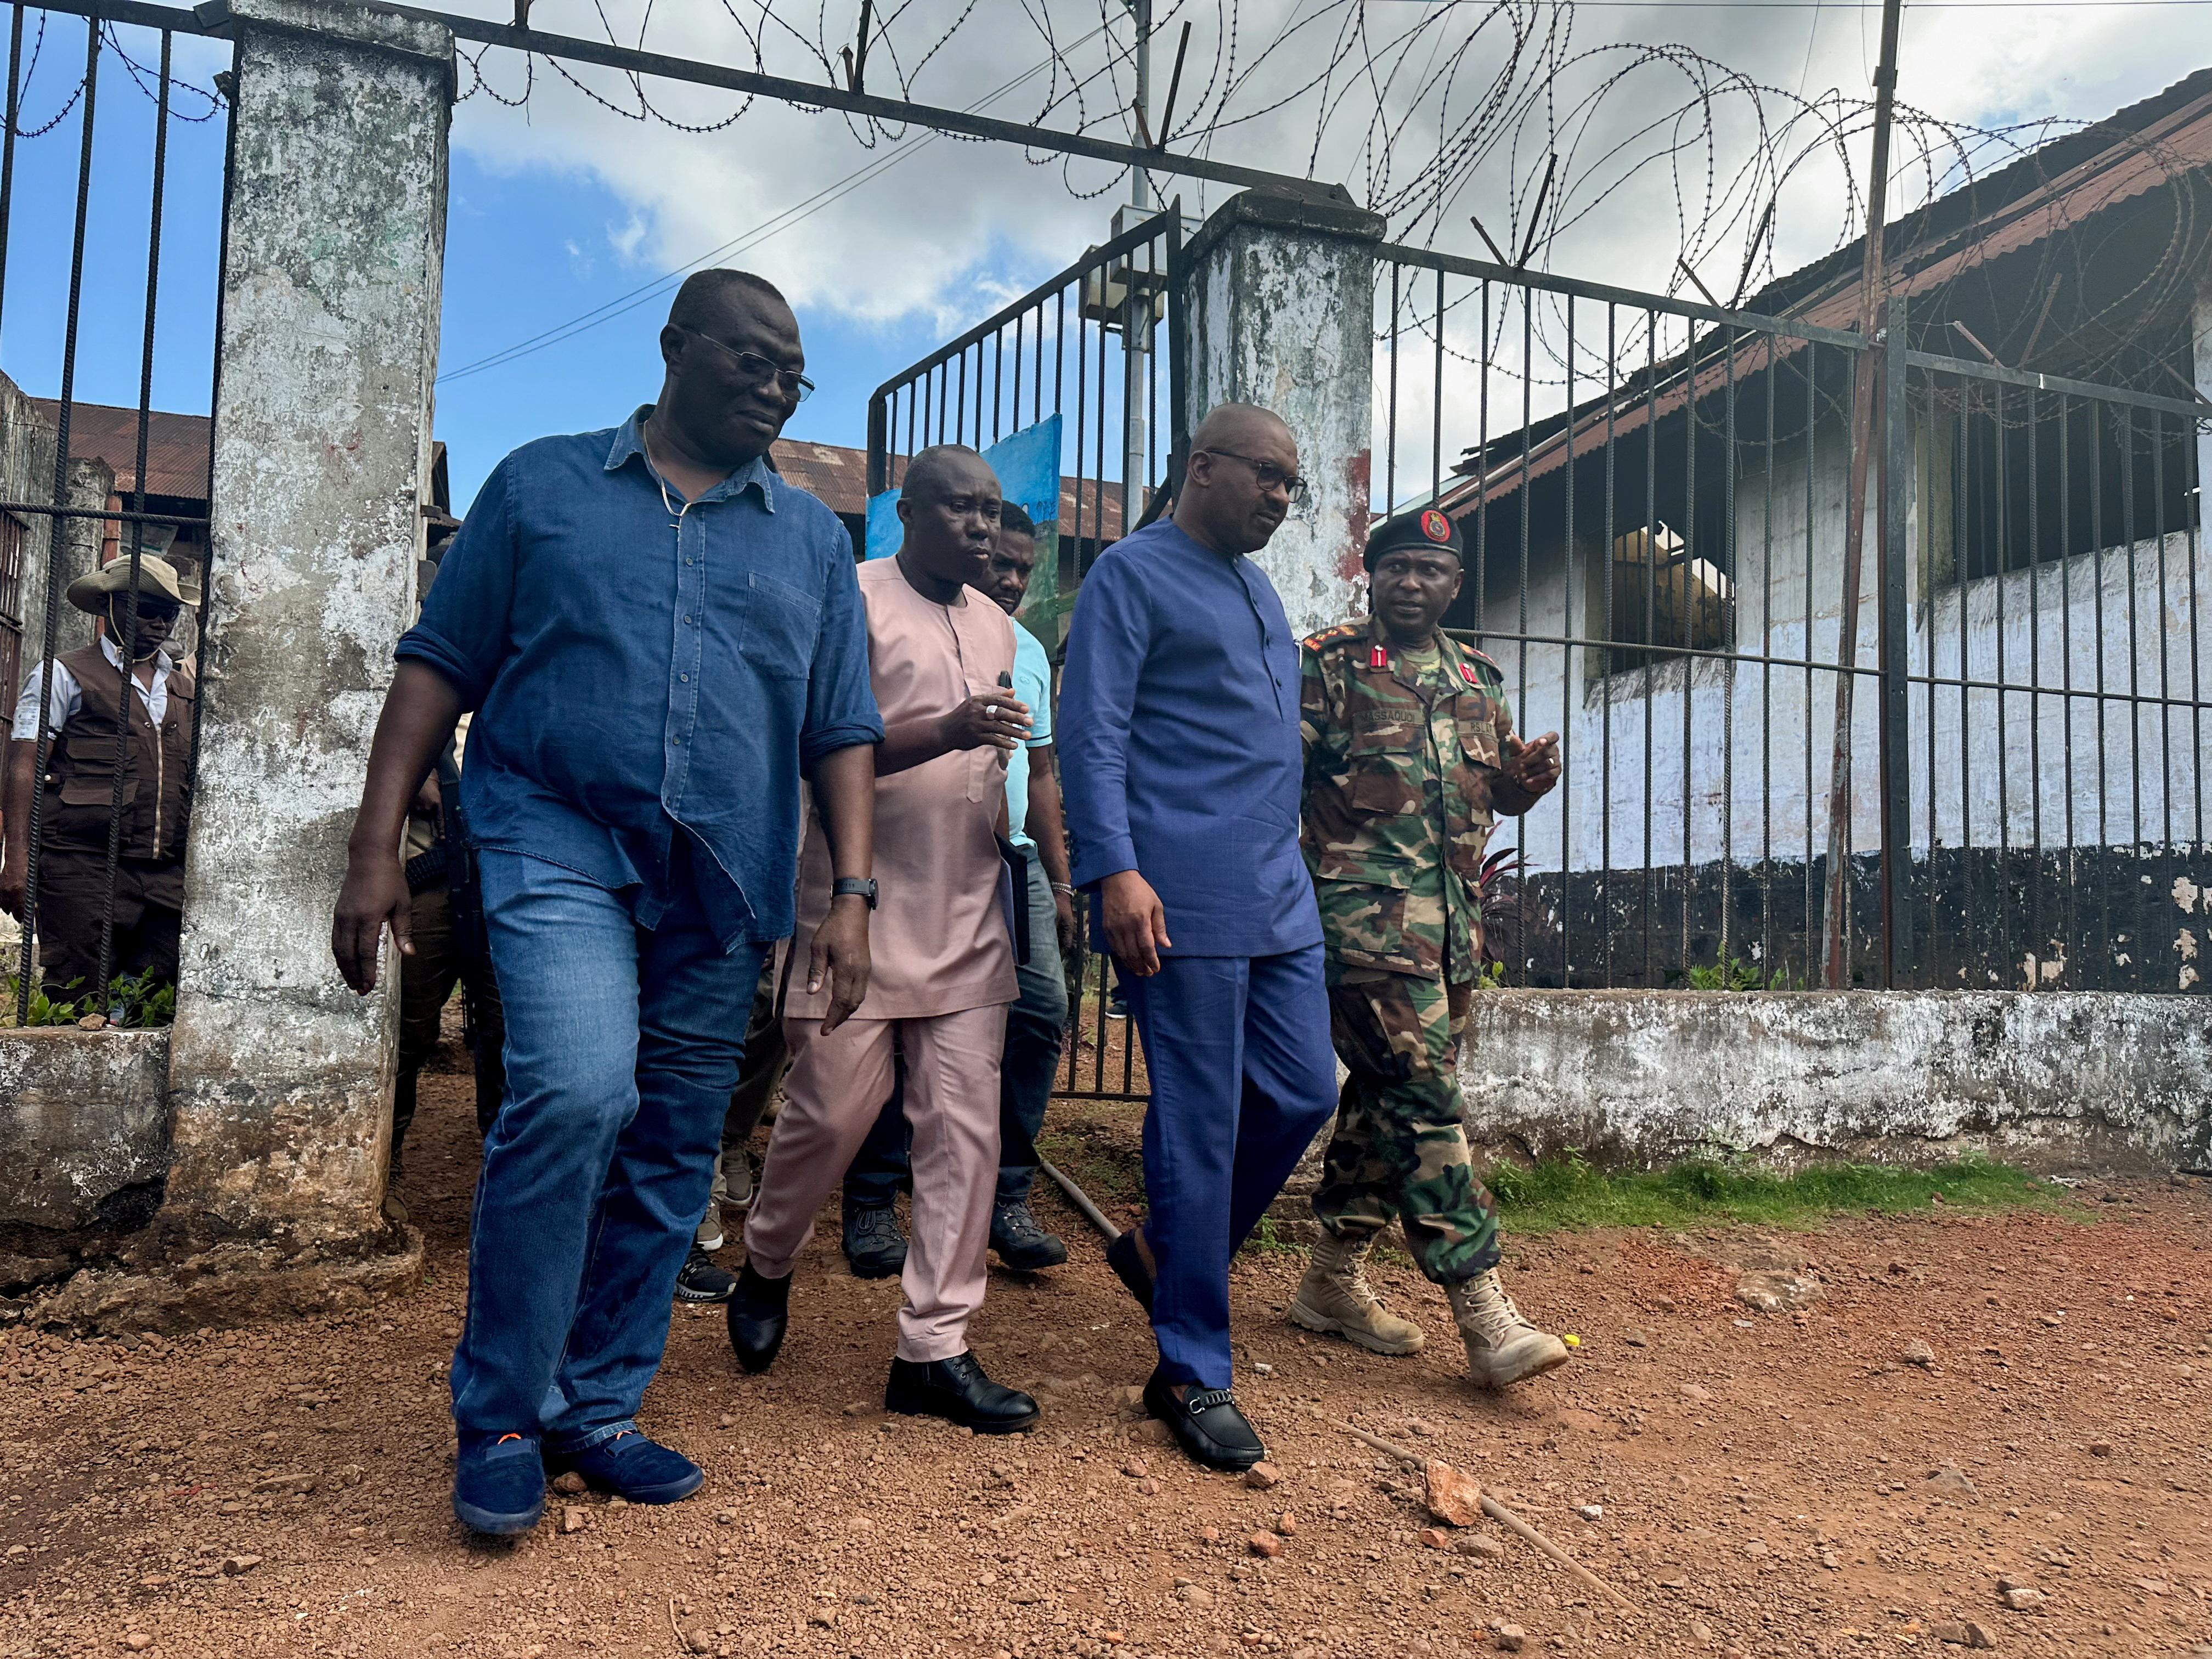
[(134, 1002), (137, 1003), (1267, 1237), (45, 1011), (1568, 1191), (1735, 974)]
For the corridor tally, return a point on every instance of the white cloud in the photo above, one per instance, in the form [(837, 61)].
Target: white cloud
[(933, 228)]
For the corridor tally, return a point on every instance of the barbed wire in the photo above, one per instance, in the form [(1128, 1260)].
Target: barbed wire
[(1450, 116)]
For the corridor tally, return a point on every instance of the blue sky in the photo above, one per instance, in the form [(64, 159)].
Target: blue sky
[(526, 252), (564, 206)]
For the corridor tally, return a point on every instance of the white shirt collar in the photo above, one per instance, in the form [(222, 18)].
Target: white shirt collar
[(162, 663)]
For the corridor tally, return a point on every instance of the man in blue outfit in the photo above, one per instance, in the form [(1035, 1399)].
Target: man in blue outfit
[(658, 636), (1179, 723)]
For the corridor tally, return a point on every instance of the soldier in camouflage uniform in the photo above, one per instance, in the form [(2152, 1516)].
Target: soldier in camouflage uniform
[(1409, 754)]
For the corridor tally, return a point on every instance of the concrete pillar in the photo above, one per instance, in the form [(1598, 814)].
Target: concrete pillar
[(1279, 310), (280, 1077)]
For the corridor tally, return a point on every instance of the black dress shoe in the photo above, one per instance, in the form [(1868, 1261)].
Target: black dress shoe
[(956, 1390), (1206, 1425), (1121, 1256), (760, 1312)]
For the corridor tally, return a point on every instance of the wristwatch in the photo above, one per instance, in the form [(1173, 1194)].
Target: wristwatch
[(854, 887)]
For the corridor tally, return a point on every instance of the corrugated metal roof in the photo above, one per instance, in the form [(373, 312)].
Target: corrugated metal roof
[(177, 446), (2177, 142), (839, 477)]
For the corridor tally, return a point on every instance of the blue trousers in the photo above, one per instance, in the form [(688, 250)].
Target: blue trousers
[(623, 1045), (1243, 1077), (1034, 1026)]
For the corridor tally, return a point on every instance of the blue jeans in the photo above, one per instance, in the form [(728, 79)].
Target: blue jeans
[(1034, 1025), (1243, 1077), (623, 1045)]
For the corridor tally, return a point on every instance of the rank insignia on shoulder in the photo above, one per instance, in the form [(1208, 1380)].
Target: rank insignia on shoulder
[(1378, 658), (1335, 635), (1467, 673)]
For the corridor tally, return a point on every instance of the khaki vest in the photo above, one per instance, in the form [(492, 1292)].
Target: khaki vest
[(81, 767)]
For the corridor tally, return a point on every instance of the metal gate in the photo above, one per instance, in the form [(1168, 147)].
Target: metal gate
[(1075, 363), (1655, 500), (88, 478)]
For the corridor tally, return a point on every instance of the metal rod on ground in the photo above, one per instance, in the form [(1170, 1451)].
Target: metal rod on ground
[(1081, 1199), (1504, 1517)]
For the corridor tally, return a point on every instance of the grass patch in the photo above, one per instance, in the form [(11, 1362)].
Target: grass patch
[(1568, 1192)]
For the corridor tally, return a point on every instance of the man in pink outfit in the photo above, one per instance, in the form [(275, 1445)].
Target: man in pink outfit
[(943, 971)]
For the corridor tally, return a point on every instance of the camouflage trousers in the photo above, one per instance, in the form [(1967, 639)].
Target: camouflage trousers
[(1399, 1150)]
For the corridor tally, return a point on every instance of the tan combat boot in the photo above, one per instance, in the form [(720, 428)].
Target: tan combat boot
[(1503, 1347), (1335, 1299)]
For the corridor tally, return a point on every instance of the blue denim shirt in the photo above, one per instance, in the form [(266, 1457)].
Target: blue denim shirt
[(633, 669), (1179, 746)]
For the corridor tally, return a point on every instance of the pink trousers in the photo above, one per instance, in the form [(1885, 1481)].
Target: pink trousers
[(835, 1086)]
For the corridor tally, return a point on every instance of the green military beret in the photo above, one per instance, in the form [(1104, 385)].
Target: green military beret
[(1436, 531)]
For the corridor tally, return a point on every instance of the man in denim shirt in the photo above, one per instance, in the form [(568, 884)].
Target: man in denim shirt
[(658, 636)]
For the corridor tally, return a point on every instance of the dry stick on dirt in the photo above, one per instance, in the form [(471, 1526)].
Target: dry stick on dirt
[(1081, 1199), (1504, 1517)]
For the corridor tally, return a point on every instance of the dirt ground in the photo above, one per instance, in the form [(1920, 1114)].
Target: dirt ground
[(1759, 1481)]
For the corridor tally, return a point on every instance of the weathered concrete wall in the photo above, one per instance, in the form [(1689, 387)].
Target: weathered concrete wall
[(26, 474), (281, 1078), (1277, 312), (82, 1121), (2051, 1080)]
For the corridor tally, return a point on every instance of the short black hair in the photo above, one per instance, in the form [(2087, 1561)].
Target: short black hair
[(705, 290), (1012, 517)]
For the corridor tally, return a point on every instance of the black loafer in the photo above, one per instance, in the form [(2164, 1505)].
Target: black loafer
[(1206, 1425), (956, 1390), (760, 1313), (1129, 1267)]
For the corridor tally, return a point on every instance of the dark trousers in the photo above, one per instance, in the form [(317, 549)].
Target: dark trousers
[(1034, 1026), (1242, 1078), (72, 889), (426, 984)]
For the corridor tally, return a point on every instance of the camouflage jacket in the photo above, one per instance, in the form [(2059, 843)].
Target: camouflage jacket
[(1403, 782)]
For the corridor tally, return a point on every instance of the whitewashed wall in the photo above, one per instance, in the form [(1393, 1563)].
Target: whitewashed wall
[(1747, 744)]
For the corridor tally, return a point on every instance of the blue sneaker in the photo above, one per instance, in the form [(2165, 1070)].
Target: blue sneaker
[(499, 1483), (634, 1467)]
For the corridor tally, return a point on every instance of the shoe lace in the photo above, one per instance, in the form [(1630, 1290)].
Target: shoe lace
[(1495, 1311), (876, 1227), (1016, 1222)]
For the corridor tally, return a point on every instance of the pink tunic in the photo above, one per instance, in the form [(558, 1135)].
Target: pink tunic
[(938, 941)]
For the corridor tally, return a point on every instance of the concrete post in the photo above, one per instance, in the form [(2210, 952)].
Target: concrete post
[(1279, 310), (280, 1077)]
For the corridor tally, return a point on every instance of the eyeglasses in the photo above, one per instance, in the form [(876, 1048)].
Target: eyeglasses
[(1270, 476), (794, 385)]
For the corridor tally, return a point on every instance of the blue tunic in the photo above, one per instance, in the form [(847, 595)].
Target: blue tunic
[(1178, 735)]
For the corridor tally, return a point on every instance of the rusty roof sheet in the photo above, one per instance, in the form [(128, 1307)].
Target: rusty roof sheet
[(2180, 141), (839, 477), (177, 446)]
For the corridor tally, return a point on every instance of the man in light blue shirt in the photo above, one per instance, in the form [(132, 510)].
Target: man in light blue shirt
[(1036, 1022)]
